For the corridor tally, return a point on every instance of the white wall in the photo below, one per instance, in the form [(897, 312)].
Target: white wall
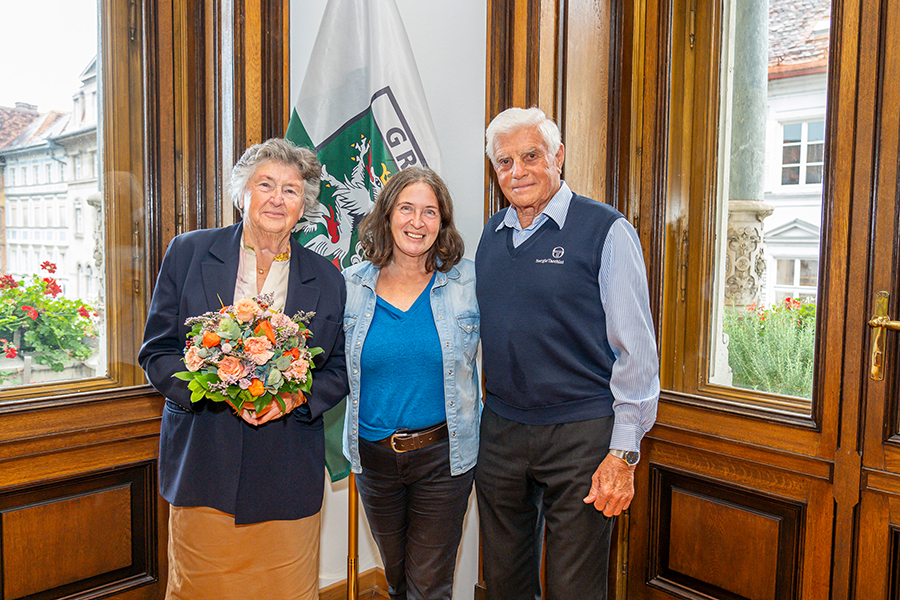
[(449, 43)]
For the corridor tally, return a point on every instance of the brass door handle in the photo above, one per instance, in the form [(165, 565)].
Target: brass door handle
[(879, 322)]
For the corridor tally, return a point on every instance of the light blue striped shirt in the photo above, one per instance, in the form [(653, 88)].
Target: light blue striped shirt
[(629, 326)]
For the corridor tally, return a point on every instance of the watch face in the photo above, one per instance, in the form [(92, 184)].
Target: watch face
[(630, 457)]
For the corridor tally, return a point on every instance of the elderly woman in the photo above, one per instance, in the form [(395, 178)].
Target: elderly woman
[(411, 432), (246, 489)]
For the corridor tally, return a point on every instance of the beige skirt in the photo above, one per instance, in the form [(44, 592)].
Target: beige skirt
[(211, 557)]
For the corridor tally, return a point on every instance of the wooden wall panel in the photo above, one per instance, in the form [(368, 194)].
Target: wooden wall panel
[(717, 540), (96, 540), (91, 534), (708, 538), (80, 515)]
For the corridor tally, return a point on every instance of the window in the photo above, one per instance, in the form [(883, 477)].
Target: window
[(12, 177), (62, 170), (803, 153), (136, 109), (79, 220), (796, 278), (44, 214), (745, 161)]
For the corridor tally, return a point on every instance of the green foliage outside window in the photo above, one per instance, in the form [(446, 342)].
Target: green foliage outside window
[(772, 349), (37, 320)]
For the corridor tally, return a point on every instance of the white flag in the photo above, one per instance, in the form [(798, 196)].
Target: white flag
[(362, 108)]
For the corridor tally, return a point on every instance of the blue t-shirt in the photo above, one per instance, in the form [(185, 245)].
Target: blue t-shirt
[(401, 383)]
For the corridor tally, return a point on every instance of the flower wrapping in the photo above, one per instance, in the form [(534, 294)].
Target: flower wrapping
[(248, 353)]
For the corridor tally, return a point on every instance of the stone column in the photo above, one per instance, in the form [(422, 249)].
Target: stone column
[(745, 262), (746, 210)]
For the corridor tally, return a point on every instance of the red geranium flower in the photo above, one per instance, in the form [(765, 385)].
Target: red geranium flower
[(7, 282), (53, 288), (48, 266), (31, 312), (12, 352), (84, 312)]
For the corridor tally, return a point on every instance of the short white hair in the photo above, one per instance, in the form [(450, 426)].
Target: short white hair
[(283, 152), (512, 120)]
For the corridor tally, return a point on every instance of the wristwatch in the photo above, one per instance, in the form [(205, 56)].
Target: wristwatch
[(630, 457)]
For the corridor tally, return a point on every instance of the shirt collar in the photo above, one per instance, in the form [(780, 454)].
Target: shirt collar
[(556, 209)]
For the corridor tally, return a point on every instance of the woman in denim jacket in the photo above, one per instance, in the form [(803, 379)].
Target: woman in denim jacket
[(411, 432)]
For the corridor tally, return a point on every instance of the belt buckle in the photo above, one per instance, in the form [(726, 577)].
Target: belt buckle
[(393, 446)]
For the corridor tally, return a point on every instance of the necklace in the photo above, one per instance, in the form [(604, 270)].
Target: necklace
[(278, 258)]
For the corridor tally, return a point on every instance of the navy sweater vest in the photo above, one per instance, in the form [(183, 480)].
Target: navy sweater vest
[(543, 328)]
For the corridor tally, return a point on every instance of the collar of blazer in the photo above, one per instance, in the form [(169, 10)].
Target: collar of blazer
[(220, 274)]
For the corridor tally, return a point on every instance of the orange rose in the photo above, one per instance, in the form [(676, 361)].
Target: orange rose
[(256, 388), (192, 359), (210, 339), (259, 349), (230, 369), (245, 309)]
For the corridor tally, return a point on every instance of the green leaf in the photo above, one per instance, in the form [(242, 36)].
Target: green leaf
[(197, 395), (184, 375), (217, 396)]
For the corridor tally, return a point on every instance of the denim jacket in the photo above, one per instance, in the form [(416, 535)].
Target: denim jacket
[(457, 319)]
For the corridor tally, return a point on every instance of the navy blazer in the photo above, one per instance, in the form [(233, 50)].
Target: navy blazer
[(208, 456)]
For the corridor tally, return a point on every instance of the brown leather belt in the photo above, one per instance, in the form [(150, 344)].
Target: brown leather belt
[(404, 441)]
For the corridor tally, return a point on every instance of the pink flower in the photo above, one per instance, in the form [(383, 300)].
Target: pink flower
[(245, 309), (230, 369), (192, 359), (281, 321), (298, 369), (259, 349)]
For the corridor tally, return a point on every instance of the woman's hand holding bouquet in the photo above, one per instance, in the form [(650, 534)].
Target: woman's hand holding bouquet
[(250, 356)]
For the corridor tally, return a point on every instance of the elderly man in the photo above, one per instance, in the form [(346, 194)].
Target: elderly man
[(572, 375)]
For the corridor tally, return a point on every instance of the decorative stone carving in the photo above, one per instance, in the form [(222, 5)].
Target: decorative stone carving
[(745, 263)]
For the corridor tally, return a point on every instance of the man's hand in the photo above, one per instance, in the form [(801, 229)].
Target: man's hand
[(612, 486)]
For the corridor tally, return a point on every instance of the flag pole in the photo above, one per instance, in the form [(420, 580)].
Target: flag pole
[(353, 541)]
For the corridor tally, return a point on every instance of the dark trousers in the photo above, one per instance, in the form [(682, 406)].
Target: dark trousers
[(529, 476), (415, 510)]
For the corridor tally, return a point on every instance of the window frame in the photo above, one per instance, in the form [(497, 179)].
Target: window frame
[(688, 257), (159, 152)]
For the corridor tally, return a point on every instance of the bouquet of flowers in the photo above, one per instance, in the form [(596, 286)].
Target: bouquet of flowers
[(248, 353)]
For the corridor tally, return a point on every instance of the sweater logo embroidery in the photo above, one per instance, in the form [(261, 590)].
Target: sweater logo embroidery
[(557, 254)]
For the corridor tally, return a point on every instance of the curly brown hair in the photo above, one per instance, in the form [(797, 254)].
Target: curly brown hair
[(375, 230)]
